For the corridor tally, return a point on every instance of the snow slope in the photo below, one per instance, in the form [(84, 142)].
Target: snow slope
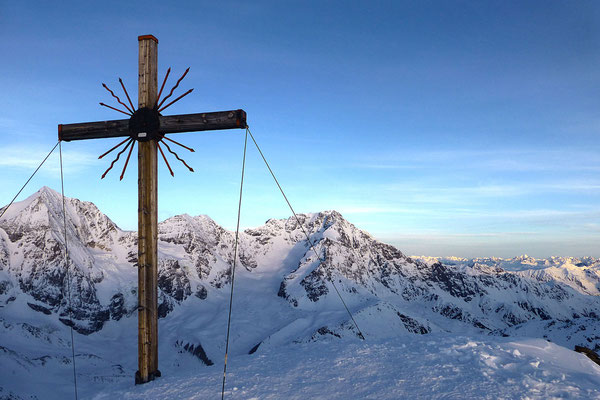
[(434, 366), (423, 367)]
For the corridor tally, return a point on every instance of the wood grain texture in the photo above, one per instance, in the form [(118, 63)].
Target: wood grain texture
[(232, 119), (147, 222), (93, 130), (218, 120)]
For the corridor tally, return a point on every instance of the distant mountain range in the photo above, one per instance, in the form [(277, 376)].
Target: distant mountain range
[(580, 273), (283, 290)]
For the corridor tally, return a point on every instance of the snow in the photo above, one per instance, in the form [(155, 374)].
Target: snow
[(433, 366)]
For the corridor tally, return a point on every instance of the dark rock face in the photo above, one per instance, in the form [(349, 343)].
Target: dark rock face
[(412, 325), (195, 349), (255, 348), (282, 293), (314, 284), (247, 261), (201, 292), (453, 282), (117, 306), (591, 354), (39, 308), (5, 286), (47, 277), (172, 280), (165, 305), (325, 331), (85, 327)]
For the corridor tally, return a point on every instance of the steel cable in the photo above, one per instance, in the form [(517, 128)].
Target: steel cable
[(237, 233), (360, 334), (66, 248), (68, 276), (32, 175)]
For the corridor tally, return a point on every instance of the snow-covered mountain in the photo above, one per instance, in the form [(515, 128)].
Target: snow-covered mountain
[(582, 274), (283, 293)]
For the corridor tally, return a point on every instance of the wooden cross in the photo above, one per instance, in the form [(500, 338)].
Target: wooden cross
[(147, 126)]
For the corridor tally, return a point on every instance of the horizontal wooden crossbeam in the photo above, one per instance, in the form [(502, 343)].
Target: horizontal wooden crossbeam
[(168, 124), (203, 122), (93, 130)]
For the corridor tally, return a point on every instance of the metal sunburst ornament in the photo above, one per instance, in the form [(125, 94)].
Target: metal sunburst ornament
[(144, 125)]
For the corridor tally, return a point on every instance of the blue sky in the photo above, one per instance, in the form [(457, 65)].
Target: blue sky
[(442, 127)]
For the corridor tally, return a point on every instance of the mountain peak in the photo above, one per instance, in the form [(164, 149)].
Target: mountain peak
[(36, 204), (44, 209), (49, 190)]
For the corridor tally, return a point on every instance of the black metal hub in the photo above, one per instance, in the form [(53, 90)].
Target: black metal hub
[(144, 125)]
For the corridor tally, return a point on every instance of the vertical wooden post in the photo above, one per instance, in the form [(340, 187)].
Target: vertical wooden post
[(147, 221)]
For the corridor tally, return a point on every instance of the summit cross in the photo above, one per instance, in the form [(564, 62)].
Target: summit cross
[(147, 126)]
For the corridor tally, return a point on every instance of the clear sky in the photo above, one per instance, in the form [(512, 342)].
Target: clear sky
[(442, 127)]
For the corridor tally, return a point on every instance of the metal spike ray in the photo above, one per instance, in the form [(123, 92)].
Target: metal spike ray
[(165, 158), (175, 154), (176, 100), (127, 94), (174, 87), (162, 87), (126, 162), (99, 157), (179, 144), (117, 97), (116, 109), (116, 159)]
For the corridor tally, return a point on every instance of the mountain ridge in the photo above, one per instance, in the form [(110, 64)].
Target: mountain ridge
[(387, 292)]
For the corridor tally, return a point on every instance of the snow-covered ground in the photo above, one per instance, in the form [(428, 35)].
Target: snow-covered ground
[(411, 366), (433, 366)]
